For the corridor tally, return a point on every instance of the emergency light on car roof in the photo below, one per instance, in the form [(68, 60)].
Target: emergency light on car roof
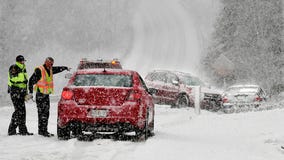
[(99, 63), (113, 62)]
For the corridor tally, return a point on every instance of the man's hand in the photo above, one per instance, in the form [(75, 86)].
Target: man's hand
[(28, 97), (67, 68)]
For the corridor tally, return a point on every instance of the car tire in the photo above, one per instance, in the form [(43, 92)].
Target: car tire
[(76, 129), (213, 106), (142, 134), (63, 133), (151, 128), (182, 101)]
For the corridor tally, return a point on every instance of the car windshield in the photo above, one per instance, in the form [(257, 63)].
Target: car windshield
[(114, 80)]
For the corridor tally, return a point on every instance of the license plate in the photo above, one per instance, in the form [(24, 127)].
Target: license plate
[(95, 113)]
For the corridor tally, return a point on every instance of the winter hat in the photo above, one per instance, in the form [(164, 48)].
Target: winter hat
[(20, 58)]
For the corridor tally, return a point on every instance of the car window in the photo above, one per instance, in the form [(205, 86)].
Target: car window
[(150, 77), (191, 81), (171, 78), (197, 82), (103, 80), (157, 76), (185, 80)]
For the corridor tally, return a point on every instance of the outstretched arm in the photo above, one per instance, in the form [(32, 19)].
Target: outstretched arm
[(58, 69)]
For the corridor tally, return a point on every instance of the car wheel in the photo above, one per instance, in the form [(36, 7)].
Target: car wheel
[(142, 134), (76, 129), (151, 127), (214, 106), (63, 133), (183, 101)]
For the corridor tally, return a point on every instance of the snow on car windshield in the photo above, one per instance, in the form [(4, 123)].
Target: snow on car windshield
[(103, 80)]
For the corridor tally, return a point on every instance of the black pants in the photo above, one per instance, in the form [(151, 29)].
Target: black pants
[(19, 115), (43, 105)]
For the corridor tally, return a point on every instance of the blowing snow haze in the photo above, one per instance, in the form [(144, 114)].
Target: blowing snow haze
[(143, 34), (182, 35)]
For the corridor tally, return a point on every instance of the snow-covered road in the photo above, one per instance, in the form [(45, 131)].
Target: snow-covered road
[(179, 134)]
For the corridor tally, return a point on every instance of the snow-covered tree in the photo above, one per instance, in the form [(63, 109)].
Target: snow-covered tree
[(250, 34)]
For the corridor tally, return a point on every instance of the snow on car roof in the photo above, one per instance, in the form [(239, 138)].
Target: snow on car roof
[(174, 72), (99, 70), (245, 90), (244, 86)]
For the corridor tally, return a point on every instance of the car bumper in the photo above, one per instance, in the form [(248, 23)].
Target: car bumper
[(131, 115), (238, 107)]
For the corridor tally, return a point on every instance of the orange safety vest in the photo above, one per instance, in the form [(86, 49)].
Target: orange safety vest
[(45, 84)]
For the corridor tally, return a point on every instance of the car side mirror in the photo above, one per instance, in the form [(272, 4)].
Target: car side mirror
[(68, 75), (152, 91), (175, 82)]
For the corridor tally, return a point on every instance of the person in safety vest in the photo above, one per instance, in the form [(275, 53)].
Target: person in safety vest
[(42, 82), (17, 87)]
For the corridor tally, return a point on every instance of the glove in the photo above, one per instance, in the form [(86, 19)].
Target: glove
[(28, 97)]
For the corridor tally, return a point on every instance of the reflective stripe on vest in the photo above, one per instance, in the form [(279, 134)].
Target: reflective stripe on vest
[(45, 84)]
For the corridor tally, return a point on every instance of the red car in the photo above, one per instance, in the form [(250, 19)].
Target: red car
[(177, 89), (105, 100)]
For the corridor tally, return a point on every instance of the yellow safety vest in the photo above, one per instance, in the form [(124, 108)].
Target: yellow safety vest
[(18, 81), (45, 84)]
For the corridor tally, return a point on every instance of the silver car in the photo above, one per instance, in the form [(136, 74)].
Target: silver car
[(238, 98)]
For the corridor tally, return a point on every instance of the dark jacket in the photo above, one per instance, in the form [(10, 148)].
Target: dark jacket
[(37, 75)]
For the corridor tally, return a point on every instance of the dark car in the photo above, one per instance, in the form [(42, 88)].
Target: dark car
[(105, 100), (177, 89), (99, 63), (242, 97)]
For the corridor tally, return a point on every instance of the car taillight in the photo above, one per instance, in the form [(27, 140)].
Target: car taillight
[(258, 99), (133, 96), (67, 95), (225, 99)]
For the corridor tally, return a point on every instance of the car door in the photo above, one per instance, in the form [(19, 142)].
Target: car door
[(171, 86), (157, 80), (159, 83)]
